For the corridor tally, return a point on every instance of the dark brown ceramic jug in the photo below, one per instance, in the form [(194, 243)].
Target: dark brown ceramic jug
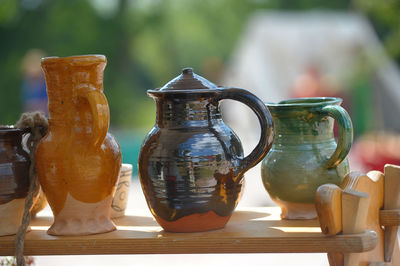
[(191, 164), (14, 179)]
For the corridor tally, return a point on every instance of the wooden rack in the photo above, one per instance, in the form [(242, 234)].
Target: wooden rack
[(253, 230), (348, 238)]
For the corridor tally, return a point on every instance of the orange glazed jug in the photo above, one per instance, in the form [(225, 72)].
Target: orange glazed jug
[(78, 162)]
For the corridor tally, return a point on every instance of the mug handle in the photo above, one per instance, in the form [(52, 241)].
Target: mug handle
[(265, 119), (100, 112), (345, 138)]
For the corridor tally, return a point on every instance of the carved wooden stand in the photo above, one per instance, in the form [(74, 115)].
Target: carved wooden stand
[(351, 218), (363, 202)]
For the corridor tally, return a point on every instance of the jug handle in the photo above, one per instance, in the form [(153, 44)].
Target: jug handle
[(264, 118), (25, 139), (345, 138), (100, 112)]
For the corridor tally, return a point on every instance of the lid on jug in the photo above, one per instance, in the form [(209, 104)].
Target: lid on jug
[(187, 82)]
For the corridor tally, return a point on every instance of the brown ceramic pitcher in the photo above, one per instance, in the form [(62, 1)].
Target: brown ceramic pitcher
[(78, 161), (14, 179)]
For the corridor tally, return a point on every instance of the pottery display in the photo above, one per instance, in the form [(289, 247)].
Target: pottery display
[(14, 179), (304, 154), (191, 164), (120, 199), (78, 161)]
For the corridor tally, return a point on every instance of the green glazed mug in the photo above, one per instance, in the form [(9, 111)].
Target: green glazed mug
[(304, 154)]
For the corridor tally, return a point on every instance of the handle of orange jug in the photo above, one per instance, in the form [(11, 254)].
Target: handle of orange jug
[(264, 118), (100, 112), (345, 138)]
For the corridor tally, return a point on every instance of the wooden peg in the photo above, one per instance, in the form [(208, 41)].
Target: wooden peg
[(389, 217), (372, 184), (328, 203), (329, 208), (354, 218), (335, 258), (391, 201)]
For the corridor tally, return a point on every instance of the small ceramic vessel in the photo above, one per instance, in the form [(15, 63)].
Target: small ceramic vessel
[(120, 200), (14, 179), (304, 154)]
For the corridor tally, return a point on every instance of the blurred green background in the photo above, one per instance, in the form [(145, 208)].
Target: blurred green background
[(147, 43)]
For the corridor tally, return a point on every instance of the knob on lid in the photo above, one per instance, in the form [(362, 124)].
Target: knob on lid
[(188, 81)]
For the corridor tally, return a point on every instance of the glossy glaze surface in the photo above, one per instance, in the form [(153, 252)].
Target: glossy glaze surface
[(78, 161), (304, 154), (191, 163), (14, 165), (14, 179)]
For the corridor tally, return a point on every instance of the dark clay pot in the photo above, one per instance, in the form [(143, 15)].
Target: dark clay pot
[(191, 163), (14, 165), (304, 154), (14, 179)]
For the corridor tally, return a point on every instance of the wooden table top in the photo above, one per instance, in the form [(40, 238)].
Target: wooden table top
[(250, 230)]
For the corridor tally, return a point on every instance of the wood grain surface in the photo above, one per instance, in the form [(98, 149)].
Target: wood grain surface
[(389, 217), (328, 203), (354, 216), (250, 230), (391, 201)]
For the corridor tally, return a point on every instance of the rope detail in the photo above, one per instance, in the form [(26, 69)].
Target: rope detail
[(37, 125)]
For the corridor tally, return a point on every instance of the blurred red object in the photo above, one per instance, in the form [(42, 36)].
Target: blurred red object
[(376, 150), (311, 84)]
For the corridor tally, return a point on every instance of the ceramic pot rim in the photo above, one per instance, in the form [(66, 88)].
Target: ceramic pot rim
[(126, 167), (6, 129), (75, 60), (305, 102), (183, 92)]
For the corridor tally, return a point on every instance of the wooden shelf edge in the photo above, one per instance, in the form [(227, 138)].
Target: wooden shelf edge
[(81, 246)]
